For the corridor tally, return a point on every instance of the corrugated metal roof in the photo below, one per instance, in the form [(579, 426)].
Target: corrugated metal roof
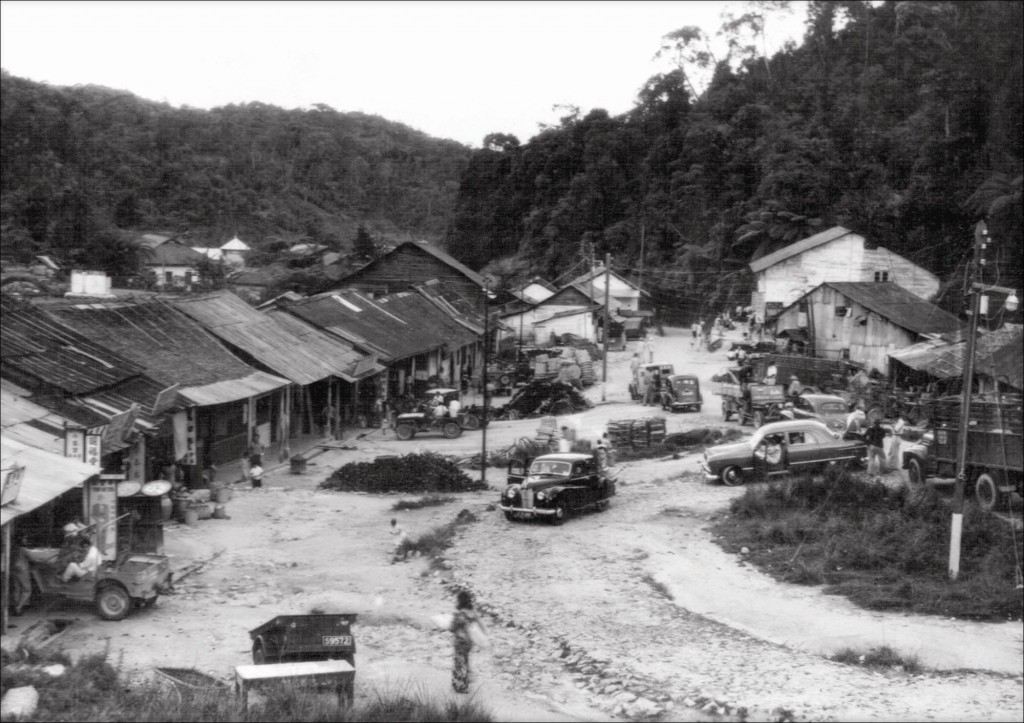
[(234, 389), (457, 306), (303, 359), (47, 476), (448, 259), (995, 352), (31, 424), (395, 326), (367, 363), (169, 345), (898, 305), (798, 248), (59, 355)]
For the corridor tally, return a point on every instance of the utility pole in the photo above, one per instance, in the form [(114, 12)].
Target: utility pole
[(483, 382), (976, 290), (640, 280), (604, 359)]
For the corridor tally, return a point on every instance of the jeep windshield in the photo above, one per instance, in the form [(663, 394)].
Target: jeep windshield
[(551, 467)]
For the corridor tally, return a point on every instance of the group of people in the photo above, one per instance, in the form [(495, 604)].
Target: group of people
[(646, 381)]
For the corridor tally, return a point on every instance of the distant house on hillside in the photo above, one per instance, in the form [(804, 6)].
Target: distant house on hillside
[(837, 254), (863, 322), (535, 290), (175, 265)]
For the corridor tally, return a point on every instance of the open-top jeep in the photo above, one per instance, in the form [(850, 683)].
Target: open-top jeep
[(555, 485)]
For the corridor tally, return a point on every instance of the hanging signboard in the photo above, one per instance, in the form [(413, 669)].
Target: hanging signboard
[(74, 443), (93, 446), (100, 509)]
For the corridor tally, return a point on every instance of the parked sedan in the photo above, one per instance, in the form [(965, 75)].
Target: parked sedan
[(555, 485), (801, 445), (828, 409)]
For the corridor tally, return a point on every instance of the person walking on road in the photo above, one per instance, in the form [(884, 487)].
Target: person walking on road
[(875, 438), (649, 348), (634, 368), (401, 543)]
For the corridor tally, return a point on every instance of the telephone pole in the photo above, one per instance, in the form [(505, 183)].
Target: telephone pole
[(483, 378), (604, 356)]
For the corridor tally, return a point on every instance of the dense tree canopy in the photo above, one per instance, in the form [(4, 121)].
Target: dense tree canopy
[(78, 165), (901, 121)]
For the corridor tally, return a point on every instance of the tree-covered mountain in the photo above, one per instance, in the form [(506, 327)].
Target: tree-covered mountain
[(79, 165), (902, 121)]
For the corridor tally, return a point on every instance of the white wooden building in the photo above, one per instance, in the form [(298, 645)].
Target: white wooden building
[(864, 322), (837, 254), (622, 294)]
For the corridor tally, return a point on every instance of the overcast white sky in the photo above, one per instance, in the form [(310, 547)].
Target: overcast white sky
[(456, 70)]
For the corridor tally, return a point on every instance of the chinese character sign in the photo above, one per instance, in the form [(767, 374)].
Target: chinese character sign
[(74, 443), (92, 450), (100, 509)]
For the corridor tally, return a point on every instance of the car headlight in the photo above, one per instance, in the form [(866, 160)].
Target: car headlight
[(541, 496), (510, 492)]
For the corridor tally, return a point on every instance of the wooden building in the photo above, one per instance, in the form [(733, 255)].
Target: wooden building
[(412, 263), (863, 322), (837, 254), (225, 400)]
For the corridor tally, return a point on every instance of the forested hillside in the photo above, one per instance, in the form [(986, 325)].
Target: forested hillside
[(80, 164), (902, 122)]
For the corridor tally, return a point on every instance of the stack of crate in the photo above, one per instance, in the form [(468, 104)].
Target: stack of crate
[(587, 377), (636, 433), (548, 434)]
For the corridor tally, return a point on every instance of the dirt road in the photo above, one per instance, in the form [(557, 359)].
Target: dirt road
[(630, 612)]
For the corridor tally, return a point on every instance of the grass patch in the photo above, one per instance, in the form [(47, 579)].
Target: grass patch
[(435, 542), (410, 473), (883, 658), (92, 690), (419, 504), (883, 548), (658, 587)]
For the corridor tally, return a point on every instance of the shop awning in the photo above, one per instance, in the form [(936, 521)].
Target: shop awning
[(233, 389), (46, 476)]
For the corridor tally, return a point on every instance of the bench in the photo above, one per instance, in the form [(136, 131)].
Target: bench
[(338, 673)]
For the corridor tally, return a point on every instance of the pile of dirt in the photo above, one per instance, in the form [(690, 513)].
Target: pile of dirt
[(426, 472), (542, 396)]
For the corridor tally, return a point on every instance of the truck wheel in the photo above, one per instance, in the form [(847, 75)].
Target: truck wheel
[(510, 517), (758, 419), (451, 430), (113, 602), (988, 494), (505, 380), (404, 432), (914, 472), (732, 476), (471, 421)]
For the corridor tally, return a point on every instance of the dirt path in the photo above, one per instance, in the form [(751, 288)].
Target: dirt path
[(630, 612)]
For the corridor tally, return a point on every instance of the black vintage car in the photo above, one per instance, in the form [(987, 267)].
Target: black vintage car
[(554, 485)]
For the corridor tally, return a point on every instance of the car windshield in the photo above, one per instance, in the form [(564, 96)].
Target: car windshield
[(833, 408), (685, 382), (547, 466)]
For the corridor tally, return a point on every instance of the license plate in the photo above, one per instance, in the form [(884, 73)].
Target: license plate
[(332, 640)]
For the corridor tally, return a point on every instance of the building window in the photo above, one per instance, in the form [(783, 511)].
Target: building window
[(841, 310), (802, 306), (881, 276)]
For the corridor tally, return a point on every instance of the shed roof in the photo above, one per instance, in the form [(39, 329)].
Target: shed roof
[(901, 307), (995, 354), (235, 244), (303, 360), (64, 357), (232, 390), (47, 476), (799, 247), (173, 254), (395, 326), (457, 306), (29, 423), (169, 345)]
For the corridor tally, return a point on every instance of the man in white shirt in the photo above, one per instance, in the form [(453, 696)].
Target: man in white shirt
[(770, 374), (454, 407)]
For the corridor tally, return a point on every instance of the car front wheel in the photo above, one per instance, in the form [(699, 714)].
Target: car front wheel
[(732, 476), (559, 516), (471, 421), (404, 432), (113, 602)]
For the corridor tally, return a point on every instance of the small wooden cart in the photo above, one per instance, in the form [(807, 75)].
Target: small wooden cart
[(306, 638)]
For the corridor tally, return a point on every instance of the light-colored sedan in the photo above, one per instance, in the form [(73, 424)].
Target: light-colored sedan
[(801, 445)]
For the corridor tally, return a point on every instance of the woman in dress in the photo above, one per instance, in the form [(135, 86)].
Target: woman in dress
[(466, 627)]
